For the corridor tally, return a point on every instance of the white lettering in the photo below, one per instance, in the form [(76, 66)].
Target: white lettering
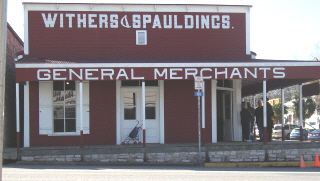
[(136, 21), (61, 20), (187, 19), (173, 72), (246, 71), (146, 19), (156, 22), (91, 20), (71, 72), (279, 72), (46, 74), (107, 72), (214, 20), (70, 16), (176, 26), (56, 74), (264, 71), (122, 73), (113, 21), (49, 22), (205, 21), (103, 20), (225, 21), (225, 72), (169, 23), (235, 72), (190, 71), (82, 20), (88, 74), (205, 69), (157, 73), (133, 77)]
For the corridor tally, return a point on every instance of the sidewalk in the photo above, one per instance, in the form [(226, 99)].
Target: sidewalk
[(260, 164)]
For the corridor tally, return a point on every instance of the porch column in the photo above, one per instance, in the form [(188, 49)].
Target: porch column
[(18, 116), (214, 111), (143, 116), (282, 112), (26, 120), (81, 112), (300, 111), (265, 130)]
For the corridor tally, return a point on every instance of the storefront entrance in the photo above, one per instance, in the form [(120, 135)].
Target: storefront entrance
[(131, 113), (224, 115)]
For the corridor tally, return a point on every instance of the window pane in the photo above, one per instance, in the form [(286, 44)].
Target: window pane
[(70, 111), (130, 83), (58, 85), (150, 113), (70, 125), (150, 99), (151, 83), (70, 97), (58, 125), (58, 97), (58, 112), (130, 113), (129, 99), (70, 85)]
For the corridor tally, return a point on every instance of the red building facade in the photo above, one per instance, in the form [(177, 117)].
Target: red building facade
[(92, 72)]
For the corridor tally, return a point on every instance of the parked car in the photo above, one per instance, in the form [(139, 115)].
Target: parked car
[(314, 135), (295, 134), (277, 130)]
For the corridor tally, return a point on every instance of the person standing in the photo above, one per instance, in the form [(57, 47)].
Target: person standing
[(270, 114), (246, 118), (259, 118)]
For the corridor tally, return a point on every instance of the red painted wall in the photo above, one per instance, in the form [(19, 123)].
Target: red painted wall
[(102, 118), (181, 112), (56, 42)]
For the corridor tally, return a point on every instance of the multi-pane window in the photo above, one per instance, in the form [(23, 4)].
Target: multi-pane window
[(151, 105), (130, 105), (64, 106)]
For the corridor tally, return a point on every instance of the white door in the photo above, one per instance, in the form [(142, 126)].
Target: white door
[(131, 113), (227, 116)]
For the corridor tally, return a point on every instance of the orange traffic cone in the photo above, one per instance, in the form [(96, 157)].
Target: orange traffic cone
[(302, 164), (316, 161)]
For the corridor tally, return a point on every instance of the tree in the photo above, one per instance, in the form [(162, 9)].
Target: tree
[(278, 112), (308, 104)]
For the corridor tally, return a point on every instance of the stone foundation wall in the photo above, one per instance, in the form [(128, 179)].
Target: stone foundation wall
[(185, 157), (180, 157)]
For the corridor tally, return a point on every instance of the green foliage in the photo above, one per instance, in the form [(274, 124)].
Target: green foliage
[(308, 107), (278, 112)]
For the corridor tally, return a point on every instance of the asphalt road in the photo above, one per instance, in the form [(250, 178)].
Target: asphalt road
[(15, 172)]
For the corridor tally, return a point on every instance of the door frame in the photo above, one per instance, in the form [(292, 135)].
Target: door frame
[(118, 111)]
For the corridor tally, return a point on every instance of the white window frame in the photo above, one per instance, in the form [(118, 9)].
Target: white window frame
[(137, 37)]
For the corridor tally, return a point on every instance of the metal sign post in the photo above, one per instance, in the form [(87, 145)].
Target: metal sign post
[(198, 85)]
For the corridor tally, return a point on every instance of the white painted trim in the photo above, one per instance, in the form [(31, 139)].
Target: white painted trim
[(81, 105), (26, 136), (26, 32), (143, 105), (264, 104), (17, 109), (145, 37), (150, 65), (118, 108), (203, 113), (124, 7), (248, 48), (161, 116), (214, 111), (236, 108)]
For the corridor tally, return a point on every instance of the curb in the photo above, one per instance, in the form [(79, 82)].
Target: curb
[(260, 164)]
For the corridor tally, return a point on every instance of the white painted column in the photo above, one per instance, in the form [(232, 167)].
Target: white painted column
[(282, 106), (161, 116), (26, 120), (143, 111), (214, 111), (300, 105), (265, 110), (81, 113), (203, 107), (18, 116)]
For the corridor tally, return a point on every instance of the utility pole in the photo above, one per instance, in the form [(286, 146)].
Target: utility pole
[(3, 44)]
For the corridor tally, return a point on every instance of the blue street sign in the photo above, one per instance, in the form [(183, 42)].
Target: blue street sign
[(198, 93)]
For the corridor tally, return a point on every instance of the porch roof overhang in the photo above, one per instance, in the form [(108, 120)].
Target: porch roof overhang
[(277, 73)]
